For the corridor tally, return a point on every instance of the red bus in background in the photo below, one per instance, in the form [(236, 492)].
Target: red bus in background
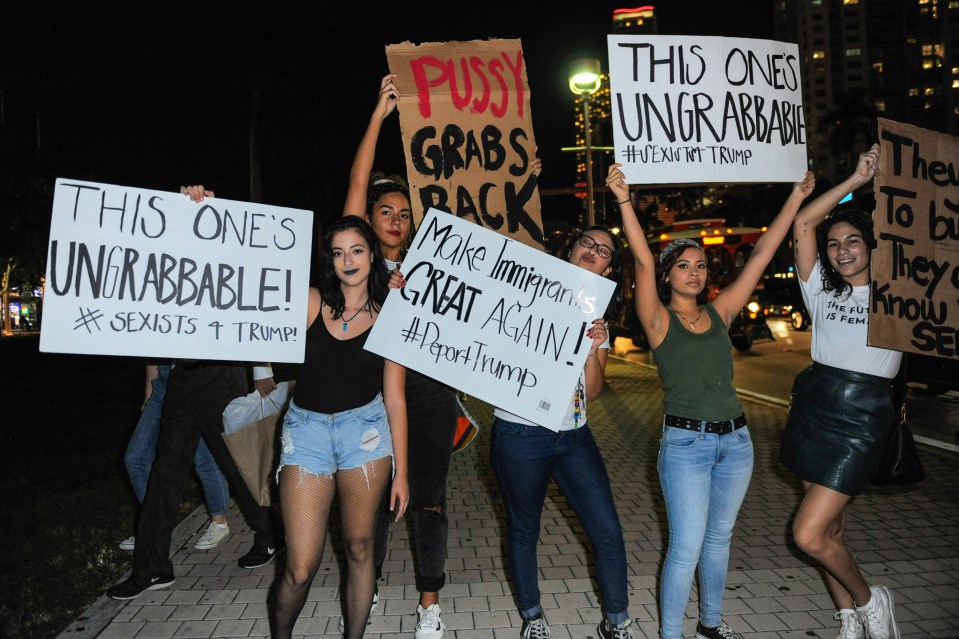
[(727, 248)]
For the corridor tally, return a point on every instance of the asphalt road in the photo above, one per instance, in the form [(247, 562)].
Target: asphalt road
[(767, 370)]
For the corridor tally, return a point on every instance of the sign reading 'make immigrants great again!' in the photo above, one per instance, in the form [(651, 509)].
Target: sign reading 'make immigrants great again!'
[(492, 317), (914, 303), (138, 272), (697, 109), (468, 133)]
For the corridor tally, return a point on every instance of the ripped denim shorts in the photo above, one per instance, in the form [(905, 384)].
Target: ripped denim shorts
[(322, 443)]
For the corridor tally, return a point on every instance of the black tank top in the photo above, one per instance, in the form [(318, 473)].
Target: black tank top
[(336, 375)]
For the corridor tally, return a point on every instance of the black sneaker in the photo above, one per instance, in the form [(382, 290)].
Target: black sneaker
[(131, 588), (722, 631), (535, 628), (258, 556), (606, 630)]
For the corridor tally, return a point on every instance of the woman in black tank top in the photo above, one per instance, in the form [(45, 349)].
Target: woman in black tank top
[(345, 437)]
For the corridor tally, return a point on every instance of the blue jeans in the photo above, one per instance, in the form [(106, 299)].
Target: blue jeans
[(142, 450), (525, 458), (704, 479)]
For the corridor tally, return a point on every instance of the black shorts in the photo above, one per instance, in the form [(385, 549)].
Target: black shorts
[(839, 424)]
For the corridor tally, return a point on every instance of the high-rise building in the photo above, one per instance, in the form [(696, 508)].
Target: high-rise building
[(897, 59), (625, 21)]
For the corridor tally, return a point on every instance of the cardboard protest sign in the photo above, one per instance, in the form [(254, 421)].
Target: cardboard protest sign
[(914, 304), (698, 109), (492, 317), (139, 272), (468, 133)]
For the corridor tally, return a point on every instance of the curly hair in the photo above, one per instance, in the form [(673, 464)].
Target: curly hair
[(329, 284), (664, 264), (832, 281), (616, 303)]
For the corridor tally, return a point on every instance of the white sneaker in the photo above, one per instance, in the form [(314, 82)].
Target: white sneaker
[(129, 543), (213, 536), (430, 626), (879, 615), (850, 625), (369, 620)]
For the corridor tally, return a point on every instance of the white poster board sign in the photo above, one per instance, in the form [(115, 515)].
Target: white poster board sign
[(492, 317), (702, 109), (138, 272)]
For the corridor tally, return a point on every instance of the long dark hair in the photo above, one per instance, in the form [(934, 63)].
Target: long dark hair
[(382, 184), (665, 261), (329, 285), (616, 303), (832, 281)]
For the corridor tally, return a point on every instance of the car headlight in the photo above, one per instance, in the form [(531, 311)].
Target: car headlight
[(753, 307)]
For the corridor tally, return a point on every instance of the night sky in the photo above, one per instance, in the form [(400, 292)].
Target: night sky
[(151, 95)]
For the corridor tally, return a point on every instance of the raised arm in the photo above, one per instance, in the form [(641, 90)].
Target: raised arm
[(652, 314), (732, 298), (811, 215), (363, 162), (394, 397)]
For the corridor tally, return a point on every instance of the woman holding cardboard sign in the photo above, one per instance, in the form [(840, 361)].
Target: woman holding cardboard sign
[(841, 411), (431, 405), (706, 454), (345, 430)]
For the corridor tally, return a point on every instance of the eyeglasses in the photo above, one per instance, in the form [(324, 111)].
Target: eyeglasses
[(602, 250)]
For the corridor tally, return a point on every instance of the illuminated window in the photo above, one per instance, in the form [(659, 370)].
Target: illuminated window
[(955, 70), (877, 67), (913, 92), (818, 55), (955, 84), (853, 52), (927, 105), (929, 91), (954, 4), (850, 1), (880, 105), (928, 63), (927, 49)]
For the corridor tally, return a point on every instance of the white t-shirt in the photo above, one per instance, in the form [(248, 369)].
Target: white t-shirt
[(839, 327), (569, 421)]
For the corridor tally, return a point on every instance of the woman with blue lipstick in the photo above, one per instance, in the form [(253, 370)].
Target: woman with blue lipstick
[(345, 430)]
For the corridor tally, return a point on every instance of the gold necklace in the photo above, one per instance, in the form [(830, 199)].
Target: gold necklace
[(346, 322), (692, 324)]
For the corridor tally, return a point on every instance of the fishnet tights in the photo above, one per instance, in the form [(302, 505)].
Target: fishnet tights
[(306, 501)]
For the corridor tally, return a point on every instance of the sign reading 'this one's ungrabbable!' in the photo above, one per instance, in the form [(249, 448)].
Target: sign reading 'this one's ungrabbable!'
[(699, 109), (468, 133), (138, 272)]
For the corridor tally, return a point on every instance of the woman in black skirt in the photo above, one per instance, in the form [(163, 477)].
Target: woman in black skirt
[(842, 411)]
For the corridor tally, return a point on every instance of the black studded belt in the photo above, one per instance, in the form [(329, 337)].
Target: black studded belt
[(714, 428)]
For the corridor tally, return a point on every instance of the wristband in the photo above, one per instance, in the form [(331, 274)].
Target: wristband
[(624, 201)]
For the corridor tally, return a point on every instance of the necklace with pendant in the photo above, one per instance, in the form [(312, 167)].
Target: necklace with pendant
[(346, 321), (692, 324)]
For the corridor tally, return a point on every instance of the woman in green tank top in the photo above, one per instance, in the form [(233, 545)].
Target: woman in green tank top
[(706, 455)]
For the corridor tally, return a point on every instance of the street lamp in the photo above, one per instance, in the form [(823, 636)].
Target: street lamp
[(585, 79)]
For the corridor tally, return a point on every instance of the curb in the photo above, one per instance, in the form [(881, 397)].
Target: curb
[(95, 618)]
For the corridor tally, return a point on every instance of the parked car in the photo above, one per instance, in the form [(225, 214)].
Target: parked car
[(781, 299), (938, 374)]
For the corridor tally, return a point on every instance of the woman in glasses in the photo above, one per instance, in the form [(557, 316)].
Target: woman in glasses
[(706, 455), (526, 456)]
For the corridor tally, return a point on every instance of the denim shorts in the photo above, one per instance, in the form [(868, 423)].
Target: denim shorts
[(322, 443)]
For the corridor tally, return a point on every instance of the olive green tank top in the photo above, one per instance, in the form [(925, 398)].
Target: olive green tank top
[(697, 371)]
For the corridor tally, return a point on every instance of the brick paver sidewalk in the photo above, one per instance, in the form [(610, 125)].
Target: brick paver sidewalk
[(905, 538)]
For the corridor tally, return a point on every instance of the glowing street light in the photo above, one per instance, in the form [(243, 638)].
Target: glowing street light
[(585, 79)]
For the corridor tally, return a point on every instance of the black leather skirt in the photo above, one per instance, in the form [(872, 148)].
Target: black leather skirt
[(838, 426)]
